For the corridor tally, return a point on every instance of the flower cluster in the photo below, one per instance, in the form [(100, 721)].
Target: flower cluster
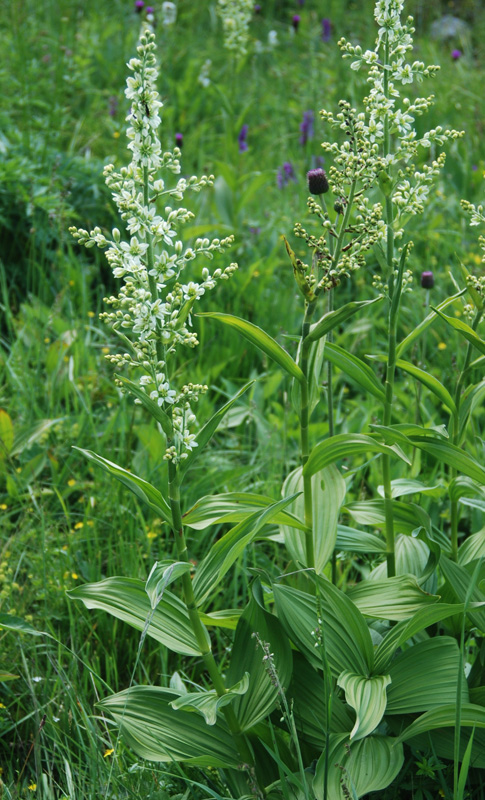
[(152, 312), (235, 16)]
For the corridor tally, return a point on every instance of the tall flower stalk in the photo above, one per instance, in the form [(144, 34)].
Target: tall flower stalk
[(152, 312)]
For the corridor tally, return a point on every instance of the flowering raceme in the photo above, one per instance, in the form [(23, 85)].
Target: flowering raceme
[(152, 312)]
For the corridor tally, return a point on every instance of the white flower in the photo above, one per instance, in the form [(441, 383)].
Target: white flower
[(169, 13)]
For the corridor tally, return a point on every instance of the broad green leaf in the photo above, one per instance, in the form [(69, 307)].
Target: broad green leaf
[(20, 625), (27, 436), (412, 558), (207, 431), (425, 676), (328, 492), (126, 599), (394, 598), (258, 629), (207, 702), (155, 731), (459, 581), (8, 676), (445, 717), (367, 696), (227, 618), (162, 574), (306, 694), (431, 383), (226, 550), (6, 433), (464, 330), (472, 548), (419, 329), (151, 406), (405, 630), (354, 541), (333, 319), (143, 490), (316, 361), (347, 639), (462, 486), (407, 516), (368, 765), (345, 445), (472, 398), (355, 368), (233, 507), (404, 486), (261, 340), (442, 740)]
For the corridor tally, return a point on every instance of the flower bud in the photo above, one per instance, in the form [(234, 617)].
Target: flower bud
[(338, 206), (317, 181), (427, 280)]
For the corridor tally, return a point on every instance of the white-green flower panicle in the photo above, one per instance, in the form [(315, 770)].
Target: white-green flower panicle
[(152, 312), (235, 16)]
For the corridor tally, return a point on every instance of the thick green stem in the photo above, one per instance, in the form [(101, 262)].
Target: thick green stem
[(304, 438), (455, 437)]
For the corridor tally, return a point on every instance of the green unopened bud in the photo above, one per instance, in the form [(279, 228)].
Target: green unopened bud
[(299, 270)]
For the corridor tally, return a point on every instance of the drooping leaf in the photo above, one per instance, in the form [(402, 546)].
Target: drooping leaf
[(20, 625), (394, 598), (333, 319), (472, 548), (8, 676), (355, 541), (425, 676), (369, 765), (141, 488), (464, 330), (445, 717), (226, 550), (207, 431), (431, 383), (315, 364), (126, 599), (233, 507), (419, 329), (356, 369), (162, 574), (412, 557), (328, 492), (227, 618), (408, 516), (261, 340), (472, 398), (405, 486), (6, 433), (207, 702), (459, 580), (367, 696), (155, 731), (151, 406), (344, 445)]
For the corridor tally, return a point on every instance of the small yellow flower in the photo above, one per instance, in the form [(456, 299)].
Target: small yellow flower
[(32, 787), (458, 313), (3, 506), (91, 314), (74, 575), (442, 346), (71, 482), (105, 350), (152, 535), (78, 526), (47, 340), (2, 705), (72, 283), (109, 752), (116, 135)]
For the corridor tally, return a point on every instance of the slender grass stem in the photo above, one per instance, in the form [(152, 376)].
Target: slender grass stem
[(304, 439)]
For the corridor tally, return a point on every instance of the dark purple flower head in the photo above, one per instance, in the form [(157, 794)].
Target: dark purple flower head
[(326, 30), (296, 21), (255, 230), (301, 2), (306, 127), (139, 5), (243, 145), (474, 167), (113, 106), (456, 54), (317, 181), (150, 10), (427, 280), (257, 9), (179, 139)]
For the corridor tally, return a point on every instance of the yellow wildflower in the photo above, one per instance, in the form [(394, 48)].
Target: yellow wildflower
[(71, 482), (442, 346), (32, 787), (109, 752)]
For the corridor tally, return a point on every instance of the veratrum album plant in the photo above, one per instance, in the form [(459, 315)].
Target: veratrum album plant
[(326, 692)]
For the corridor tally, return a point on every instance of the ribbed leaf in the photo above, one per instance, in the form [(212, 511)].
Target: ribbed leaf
[(155, 731), (367, 696), (369, 765), (126, 599), (407, 516), (412, 557), (425, 676), (464, 330), (162, 574), (445, 717), (143, 490), (394, 599), (233, 507), (405, 486), (225, 551), (261, 340), (354, 541), (431, 383), (355, 368), (207, 702), (419, 329), (345, 445), (459, 581), (333, 319), (473, 547), (151, 406), (328, 492)]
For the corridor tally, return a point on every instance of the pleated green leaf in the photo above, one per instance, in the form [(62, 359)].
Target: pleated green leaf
[(207, 702), (226, 550), (368, 765), (333, 319), (445, 717), (419, 329), (261, 340), (394, 598), (472, 548), (405, 486), (162, 574), (155, 731), (431, 383), (143, 490), (233, 507), (355, 541), (356, 369), (367, 696), (425, 676), (345, 445), (347, 639), (407, 516), (328, 492), (459, 580), (126, 599), (464, 330)]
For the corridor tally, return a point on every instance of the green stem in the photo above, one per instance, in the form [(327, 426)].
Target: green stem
[(455, 437), (304, 438)]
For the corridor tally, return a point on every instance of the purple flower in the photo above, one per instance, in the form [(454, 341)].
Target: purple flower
[(139, 5), (286, 173), (179, 139), (301, 2), (427, 280), (317, 181), (306, 127), (243, 145), (474, 167), (113, 106), (296, 21), (255, 230), (150, 10), (326, 30), (456, 54), (257, 9), (319, 161)]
